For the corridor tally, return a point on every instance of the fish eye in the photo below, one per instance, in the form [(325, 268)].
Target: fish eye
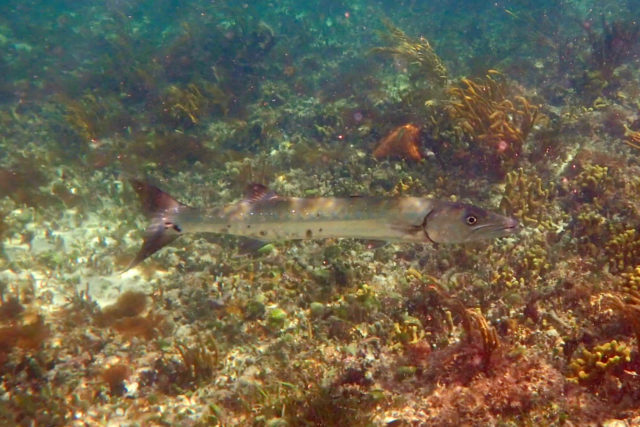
[(471, 219)]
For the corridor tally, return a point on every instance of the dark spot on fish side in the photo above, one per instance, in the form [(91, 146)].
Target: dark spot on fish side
[(263, 233), (248, 226), (309, 234), (319, 230)]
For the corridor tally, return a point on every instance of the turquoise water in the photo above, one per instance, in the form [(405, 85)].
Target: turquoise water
[(528, 110)]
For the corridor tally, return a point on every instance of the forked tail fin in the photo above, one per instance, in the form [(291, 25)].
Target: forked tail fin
[(162, 209)]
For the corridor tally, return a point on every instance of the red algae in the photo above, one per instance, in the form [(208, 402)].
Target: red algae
[(115, 377)]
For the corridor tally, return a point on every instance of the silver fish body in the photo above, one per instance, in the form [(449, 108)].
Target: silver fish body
[(266, 216), (315, 218)]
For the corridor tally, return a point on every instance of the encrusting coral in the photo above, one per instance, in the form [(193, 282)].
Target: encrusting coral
[(402, 142)]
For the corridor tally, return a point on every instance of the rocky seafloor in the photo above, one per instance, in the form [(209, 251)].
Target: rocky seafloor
[(539, 328)]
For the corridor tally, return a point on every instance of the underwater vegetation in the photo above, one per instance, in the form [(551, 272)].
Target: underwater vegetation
[(610, 45), (187, 106), (532, 111), (497, 123), (417, 52), (613, 45)]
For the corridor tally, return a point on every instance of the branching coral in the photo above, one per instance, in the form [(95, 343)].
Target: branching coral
[(115, 376), (408, 332), (19, 330), (526, 199), (521, 265), (588, 228), (592, 183), (416, 52), (125, 316), (591, 366), (185, 103), (623, 250), (632, 279), (29, 334), (485, 113)]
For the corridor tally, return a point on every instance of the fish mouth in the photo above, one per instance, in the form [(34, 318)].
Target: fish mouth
[(511, 226), (497, 229)]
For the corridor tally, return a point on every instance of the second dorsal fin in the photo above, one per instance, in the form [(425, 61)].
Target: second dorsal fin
[(257, 192)]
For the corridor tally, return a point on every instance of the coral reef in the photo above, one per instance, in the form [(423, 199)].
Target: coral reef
[(623, 250), (598, 77), (526, 199), (201, 97)]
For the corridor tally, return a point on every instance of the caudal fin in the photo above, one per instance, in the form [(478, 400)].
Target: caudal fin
[(162, 209)]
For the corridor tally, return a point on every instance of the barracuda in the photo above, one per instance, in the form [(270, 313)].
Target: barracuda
[(267, 216)]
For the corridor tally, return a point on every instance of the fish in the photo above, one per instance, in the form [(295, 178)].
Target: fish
[(266, 216)]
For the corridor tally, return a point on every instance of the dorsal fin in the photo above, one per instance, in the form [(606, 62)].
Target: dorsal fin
[(153, 199), (257, 192)]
